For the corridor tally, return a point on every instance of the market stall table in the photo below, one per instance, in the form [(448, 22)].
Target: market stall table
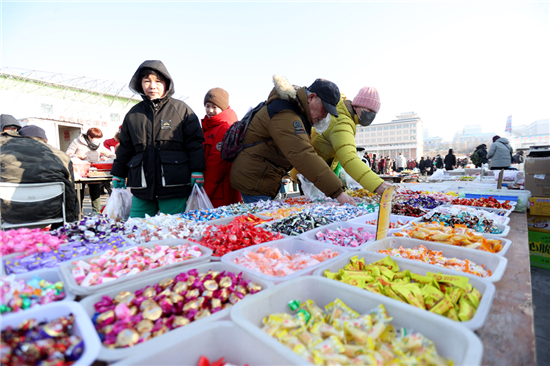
[(508, 335), (394, 178), (78, 185)]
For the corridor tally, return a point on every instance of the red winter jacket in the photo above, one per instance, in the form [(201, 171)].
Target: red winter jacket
[(216, 176)]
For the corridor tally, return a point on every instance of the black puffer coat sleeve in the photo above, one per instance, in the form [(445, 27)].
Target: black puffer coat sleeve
[(194, 139)]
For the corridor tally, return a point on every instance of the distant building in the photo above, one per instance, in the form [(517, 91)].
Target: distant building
[(402, 135), (433, 143), (536, 133)]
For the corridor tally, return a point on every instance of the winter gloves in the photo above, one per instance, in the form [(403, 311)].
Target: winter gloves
[(197, 178)]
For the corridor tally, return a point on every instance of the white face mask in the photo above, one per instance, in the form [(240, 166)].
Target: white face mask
[(323, 124)]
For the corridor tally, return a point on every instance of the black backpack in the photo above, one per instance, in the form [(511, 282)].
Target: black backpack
[(232, 142), (476, 159)]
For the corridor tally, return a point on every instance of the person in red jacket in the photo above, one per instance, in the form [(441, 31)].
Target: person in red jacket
[(219, 116)]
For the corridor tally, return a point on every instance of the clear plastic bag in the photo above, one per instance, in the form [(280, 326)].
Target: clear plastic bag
[(118, 204), (350, 182), (310, 191), (198, 200)]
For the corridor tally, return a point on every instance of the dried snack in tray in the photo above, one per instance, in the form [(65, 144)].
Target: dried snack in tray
[(435, 292), (340, 335)]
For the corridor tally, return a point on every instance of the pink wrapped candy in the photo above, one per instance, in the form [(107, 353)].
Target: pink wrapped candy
[(345, 237), (27, 241), (114, 264)]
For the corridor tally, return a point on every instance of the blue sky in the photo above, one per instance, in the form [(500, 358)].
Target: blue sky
[(454, 63)]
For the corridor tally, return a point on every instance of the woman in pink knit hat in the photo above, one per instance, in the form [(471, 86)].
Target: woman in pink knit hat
[(336, 142)]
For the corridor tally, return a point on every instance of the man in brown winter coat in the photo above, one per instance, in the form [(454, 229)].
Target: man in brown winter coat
[(278, 137)]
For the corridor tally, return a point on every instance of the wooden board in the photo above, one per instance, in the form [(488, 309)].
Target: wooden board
[(508, 335)]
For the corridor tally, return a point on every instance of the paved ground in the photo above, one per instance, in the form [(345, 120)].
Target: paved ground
[(540, 281)]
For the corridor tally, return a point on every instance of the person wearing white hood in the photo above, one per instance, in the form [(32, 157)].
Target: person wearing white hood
[(500, 153)]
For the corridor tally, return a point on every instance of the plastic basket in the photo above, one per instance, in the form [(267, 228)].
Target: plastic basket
[(310, 235), (82, 325), (148, 347), (451, 339), (292, 245), (233, 343), (69, 281), (495, 263), (486, 288)]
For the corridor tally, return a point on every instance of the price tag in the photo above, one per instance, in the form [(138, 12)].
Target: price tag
[(539, 176), (384, 213)]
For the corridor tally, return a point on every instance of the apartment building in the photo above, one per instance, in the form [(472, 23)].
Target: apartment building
[(402, 135)]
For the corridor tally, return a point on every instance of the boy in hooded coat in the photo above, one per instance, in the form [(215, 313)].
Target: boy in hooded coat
[(160, 149), (219, 117)]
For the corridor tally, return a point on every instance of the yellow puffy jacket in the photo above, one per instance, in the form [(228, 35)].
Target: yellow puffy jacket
[(338, 142)]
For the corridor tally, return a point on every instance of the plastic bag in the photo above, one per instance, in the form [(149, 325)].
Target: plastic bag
[(118, 204), (198, 200), (350, 182), (310, 191)]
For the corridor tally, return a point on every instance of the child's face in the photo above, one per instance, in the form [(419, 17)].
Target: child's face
[(212, 109), (153, 87)]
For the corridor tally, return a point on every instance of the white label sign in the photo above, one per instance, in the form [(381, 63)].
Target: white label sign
[(539, 176)]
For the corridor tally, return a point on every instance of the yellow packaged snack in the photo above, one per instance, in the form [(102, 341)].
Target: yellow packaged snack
[(425, 280), (466, 310), (442, 306), (330, 275), (458, 281), (352, 351), (407, 292), (357, 335), (387, 272), (452, 314), (402, 275), (389, 292), (388, 263), (372, 270), (431, 296), (455, 293), (473, 295), (330, 345), (309, 339), (342, 308)]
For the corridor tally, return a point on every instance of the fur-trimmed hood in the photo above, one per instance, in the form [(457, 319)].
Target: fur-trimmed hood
[(283, 89)]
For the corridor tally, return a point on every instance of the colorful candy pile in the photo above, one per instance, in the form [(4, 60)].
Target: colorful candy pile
[(467, 219), (458, 235), (281, 213), (204, 361), (423, 254), (450, 296), (26, 241), (298, 224), (16, 295), (479, 212), (361, 193), (424, 202), (338, 335), (70, 251), (204, 215), (405, 210), (47, 343), (345, 237), (162, 226), (249, 219), (338, 213), (482, 202), (132, 318), (280, 263), (223, 239), (114, 264), (297, 201), (92, 229)]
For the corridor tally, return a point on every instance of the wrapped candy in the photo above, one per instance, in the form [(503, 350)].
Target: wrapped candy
[(406, 210), (69, 251), (490, 202), (467, 219), (393, 225), (161, 227), (91, 229), (17, 295), (438, 293), (423, 254), (298, 224), (338, 335), (114, 264), (204, 215), (338, 213), (27, 241), (223, 239), (458, 235), (131, 318), (45, 343), (345, 237), (281, 213), (277, 263)]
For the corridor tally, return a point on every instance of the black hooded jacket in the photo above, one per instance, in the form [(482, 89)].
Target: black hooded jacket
[(482, 152), (7, 120), (160, 143)]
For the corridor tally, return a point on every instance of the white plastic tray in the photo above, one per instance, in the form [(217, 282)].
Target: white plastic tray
[(292, 245), (69, 281), (214, 341), (451, 339), (393, 218), (504, 219), (148, 347), (310, 235), (486, 288), (496, 263), (82, 325), (504, 213)]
